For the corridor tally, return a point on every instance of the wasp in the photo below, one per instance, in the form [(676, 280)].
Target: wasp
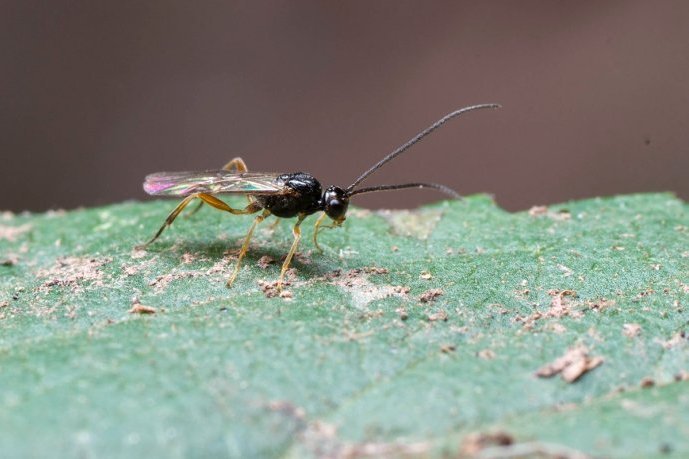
[(290, 195)]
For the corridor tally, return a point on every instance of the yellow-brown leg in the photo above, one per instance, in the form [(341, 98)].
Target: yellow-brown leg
[(297, 236), (274, 224), (245, 245), (316, 228), (236, 164), (212, 200)]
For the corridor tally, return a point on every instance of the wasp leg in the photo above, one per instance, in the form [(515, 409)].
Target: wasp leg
[(316, 228), (297, 236), (236, 164), (245, 245), (274, 224), (212, 200), (240, 166)]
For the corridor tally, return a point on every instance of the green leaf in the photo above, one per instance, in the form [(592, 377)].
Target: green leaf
[(415, 332)]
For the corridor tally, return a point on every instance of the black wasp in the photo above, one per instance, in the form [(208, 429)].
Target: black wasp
[(296, 194)]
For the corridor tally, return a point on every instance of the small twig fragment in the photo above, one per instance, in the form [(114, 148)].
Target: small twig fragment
[(571, 366)]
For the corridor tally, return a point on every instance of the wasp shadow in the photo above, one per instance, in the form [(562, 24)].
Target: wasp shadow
[(316, 264)]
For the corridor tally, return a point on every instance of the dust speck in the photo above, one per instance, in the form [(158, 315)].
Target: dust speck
[(188, 258), (677, 339), (448, 348), (538, 211), (9, 260), (647, 382), (138, 253), (438, 316), (11, 233), (486, 354), (682, 376), (430, 295), (631, 330)]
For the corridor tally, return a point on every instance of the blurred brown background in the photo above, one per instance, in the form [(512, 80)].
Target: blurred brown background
[(95, 95)]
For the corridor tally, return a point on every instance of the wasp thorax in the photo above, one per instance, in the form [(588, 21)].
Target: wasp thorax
[(335, 203)]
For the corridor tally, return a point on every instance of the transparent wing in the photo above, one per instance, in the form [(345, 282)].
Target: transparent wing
[(213, 182)]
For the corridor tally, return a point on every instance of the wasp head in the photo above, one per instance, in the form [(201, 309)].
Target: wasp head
[(335, 203)]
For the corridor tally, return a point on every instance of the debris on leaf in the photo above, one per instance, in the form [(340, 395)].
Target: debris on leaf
[(486, 354), (571, 366), (9, 260), (677, 339), (138, 308), (363, 291), (425, 275), (270, 288), (162, 281), (631, 330), (265, 261), (321, 440), (544, 211), (10, 233), (188, 258), (440, 315), (289, 409), (537, 211), (430, 295), (560, 306), (72, 271), (682, 376), (138, 253), (376, 270), (647, 382), (447, 348), (474, 443), (599, 305)]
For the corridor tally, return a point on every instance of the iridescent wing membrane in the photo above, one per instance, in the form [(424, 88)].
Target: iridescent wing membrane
[(211, 182)]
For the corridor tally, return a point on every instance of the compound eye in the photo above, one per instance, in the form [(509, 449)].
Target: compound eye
[(336, 209)]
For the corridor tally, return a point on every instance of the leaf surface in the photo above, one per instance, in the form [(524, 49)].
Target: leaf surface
[(414, 332)]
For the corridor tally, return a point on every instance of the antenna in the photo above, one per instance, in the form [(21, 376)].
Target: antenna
[(401, 149), (435, 186)]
